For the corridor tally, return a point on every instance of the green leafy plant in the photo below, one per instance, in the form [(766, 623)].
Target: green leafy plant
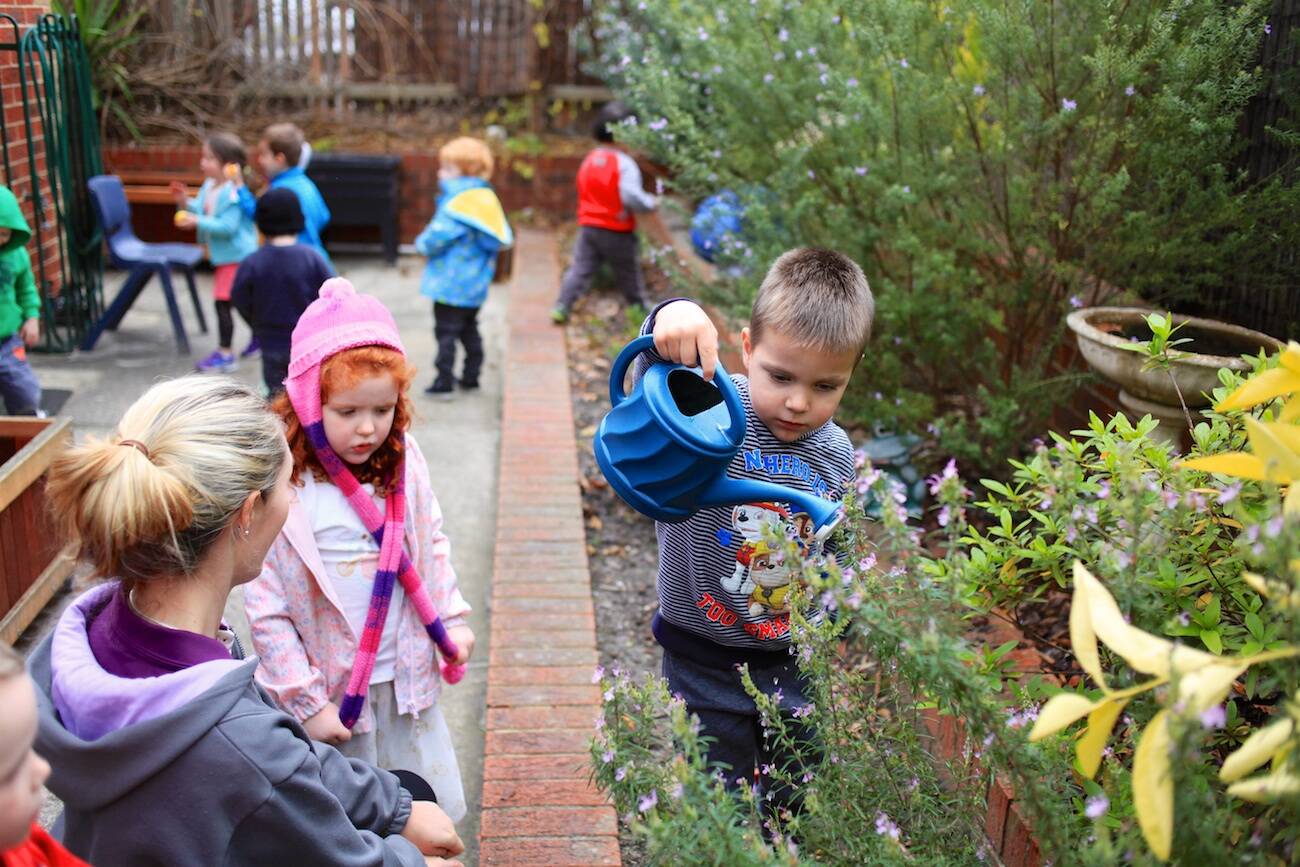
[(109, 30), (990, 164)]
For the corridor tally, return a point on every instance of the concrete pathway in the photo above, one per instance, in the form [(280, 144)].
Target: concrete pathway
[(460, 439), (538, 806)]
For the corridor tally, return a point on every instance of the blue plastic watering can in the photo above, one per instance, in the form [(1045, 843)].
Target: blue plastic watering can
[(665, 448)]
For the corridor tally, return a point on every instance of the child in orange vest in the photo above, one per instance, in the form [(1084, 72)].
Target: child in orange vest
[(23, 843), (609, 197)]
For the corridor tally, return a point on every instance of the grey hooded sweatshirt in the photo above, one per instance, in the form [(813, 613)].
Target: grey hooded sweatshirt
[(199, 767)]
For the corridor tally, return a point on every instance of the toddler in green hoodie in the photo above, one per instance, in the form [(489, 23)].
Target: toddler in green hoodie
[(20, 310)]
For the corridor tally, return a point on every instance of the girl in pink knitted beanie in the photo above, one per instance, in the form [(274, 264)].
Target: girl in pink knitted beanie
[(358, 590)]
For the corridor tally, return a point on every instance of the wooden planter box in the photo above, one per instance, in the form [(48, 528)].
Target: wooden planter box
[(33, 565)]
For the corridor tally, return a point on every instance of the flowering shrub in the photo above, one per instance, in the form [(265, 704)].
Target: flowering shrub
[(1171, 729), (989, 163)]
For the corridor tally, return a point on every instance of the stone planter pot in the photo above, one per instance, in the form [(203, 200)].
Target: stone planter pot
[(33, 565), (1103, 331)]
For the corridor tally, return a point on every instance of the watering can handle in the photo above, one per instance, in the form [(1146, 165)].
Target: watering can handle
[(646, 342)]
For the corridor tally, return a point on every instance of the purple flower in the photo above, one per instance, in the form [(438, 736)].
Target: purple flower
[(1214, 717), (1274, 527), (600, 722), (802, 711), (1268, 29), (609, 694), (824, 78), (812, 51), (703, 34), (861, 170), (1076, 302), (902, 61), (620, 774), (978, 90), (657, 125), (907, 188), (886, 827), (812, 174), (767, 79), (1170, 498), (783, 35), (1096, 807), (647, 802), (851, 82), (677, 791), (1103, 490), (1230, 493), (607, 756), (1068, 105), (1184, 618), (598, 674), (1130, 90)]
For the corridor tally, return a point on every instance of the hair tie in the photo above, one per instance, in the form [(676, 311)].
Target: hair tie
[(144, 450)]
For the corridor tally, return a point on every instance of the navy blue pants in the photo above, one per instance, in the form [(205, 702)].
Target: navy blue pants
[(729, 716), (18, 386)]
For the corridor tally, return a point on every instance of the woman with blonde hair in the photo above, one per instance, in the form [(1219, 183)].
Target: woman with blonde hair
[(163, 748)]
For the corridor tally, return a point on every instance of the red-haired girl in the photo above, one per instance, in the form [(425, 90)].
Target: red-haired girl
[(359, 582)]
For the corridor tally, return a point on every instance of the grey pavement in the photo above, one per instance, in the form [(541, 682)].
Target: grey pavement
[(460, 438)]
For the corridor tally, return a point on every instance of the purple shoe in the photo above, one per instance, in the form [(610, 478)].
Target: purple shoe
[(218, 362), (253, 348)]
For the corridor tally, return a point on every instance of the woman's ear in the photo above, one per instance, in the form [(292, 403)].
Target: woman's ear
[(244, 517)]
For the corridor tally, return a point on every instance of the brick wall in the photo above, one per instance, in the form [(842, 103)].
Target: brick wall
[(547, 189), (18, 177)]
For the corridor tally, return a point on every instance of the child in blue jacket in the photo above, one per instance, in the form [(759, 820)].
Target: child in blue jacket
[(223, 227), (279, 155), (462, 242)]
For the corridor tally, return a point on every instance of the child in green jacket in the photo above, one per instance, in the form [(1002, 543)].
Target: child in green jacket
[(20, 311)]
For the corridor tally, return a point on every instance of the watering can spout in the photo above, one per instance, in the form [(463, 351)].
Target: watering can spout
[(726, 491)]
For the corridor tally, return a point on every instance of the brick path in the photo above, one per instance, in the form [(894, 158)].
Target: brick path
[(538, 807)]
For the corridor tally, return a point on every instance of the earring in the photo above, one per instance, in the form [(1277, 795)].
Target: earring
[(247, 531)]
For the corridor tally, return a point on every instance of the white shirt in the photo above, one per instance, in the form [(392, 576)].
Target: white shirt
[(351, 556)]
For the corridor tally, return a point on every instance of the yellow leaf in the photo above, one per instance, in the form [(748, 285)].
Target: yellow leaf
[(1290, 410), (1256, 582), (1207, 686), (1277, 445), (1291, 504), (1061, 710), (1256, 750), (1153, 786), (1239, 464), (1263, 386), (1142, 651), (1100, 723), (1082, 639), (1184, 659), (1268, 788), (1290, 357)]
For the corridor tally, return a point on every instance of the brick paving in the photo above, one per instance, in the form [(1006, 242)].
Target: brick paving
[(538, 805)]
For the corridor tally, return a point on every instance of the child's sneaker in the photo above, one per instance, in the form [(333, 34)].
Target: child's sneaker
[(559, 315), (469, 385), (218, 362), (441, 388), (252, 349)]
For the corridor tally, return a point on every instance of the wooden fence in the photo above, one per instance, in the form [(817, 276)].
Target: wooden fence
[(388, 49)]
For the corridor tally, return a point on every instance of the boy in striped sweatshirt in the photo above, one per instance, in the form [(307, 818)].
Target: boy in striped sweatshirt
[(722, 587)]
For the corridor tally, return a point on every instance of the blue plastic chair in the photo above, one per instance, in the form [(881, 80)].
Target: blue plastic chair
[(141, 261)]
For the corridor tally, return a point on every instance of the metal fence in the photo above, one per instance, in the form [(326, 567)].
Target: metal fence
[(49, 147)]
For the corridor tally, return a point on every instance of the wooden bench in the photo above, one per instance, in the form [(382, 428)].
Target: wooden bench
[(154, 188)]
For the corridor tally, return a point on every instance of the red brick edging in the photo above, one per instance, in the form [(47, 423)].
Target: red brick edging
[(538, 805)]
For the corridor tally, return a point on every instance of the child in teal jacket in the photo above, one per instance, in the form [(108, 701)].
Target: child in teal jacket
[(461, 242), (20, 311), (230, 236)]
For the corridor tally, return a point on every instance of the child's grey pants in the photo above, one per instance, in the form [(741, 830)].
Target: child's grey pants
[(619, 249)]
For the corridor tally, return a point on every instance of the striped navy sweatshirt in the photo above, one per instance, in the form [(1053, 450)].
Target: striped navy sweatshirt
[(721, 595)]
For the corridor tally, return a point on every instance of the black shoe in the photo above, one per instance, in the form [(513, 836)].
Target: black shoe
[(469, 385), (440, 388)]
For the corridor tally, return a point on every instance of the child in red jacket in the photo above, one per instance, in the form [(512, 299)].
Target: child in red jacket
[(609, 197), (23, 843)]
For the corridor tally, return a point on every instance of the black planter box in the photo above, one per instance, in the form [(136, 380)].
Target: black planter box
[(360, 190)]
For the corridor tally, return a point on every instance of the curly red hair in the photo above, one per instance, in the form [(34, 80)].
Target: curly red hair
[(339, 373)]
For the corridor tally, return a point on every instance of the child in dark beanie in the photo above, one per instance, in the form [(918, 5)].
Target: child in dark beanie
[(275, 284)]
